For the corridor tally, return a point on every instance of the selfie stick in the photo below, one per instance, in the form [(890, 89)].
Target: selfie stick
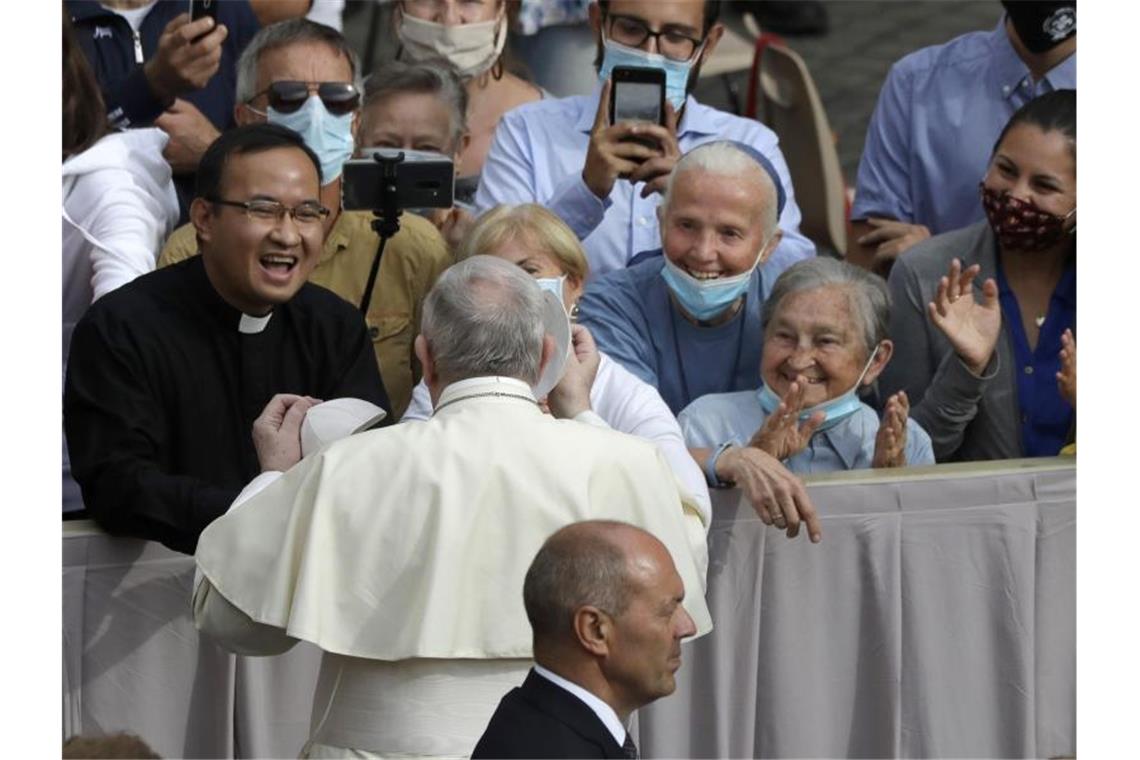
[(387, 221)]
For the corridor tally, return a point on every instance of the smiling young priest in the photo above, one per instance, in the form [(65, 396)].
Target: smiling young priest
[(168, 373)]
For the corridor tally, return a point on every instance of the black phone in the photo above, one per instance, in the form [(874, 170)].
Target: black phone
[(202, 8), (638, 94), (423, 180)]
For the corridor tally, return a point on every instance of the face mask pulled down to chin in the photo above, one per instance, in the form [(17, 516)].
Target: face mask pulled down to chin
[(834, 410)]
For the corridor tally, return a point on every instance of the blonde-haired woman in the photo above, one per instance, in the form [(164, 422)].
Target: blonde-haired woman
[(541, 244)]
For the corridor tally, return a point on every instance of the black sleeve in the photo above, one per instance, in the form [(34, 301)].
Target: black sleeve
[(357, 374), (117, 436)]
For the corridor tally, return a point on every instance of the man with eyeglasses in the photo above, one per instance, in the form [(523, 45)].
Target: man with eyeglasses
[(169, 374), (305, 76), (566, 155)]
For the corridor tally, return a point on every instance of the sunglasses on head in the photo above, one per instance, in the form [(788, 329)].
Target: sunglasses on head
[(339, 98)]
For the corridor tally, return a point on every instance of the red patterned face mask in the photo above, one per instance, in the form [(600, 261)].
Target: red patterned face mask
[(1021, 225)]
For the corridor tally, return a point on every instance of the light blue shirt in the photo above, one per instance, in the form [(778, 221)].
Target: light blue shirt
[(734, 417), (634, 321), (939, 114), (538, 154)]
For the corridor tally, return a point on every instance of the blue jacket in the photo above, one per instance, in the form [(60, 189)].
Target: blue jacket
[(117, 57)]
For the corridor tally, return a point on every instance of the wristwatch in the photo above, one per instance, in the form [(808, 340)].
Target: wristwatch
[(711, 477)]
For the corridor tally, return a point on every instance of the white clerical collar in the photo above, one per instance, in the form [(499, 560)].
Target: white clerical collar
[(248, 325), (604, 712), (490, 385)]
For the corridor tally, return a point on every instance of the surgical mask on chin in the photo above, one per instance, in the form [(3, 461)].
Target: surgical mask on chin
[(676, 72), (330, 137), (471, 48), (835, 410), (706, 299)]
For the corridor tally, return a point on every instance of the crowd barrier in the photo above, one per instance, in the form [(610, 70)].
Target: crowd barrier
[(936, 619)]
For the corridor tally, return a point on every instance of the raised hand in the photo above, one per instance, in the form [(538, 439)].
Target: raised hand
[(188, 54), (971, 327), (781, 434), (571, 396), (609, 155), (890, 441), (1067, 377)]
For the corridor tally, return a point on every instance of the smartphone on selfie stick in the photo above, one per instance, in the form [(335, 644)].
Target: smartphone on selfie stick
[(638, 94)]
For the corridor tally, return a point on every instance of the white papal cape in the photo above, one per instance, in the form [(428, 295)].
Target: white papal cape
[(413, 541)]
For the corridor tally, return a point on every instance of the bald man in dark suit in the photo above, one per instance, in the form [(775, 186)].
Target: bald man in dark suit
[(604, 602)]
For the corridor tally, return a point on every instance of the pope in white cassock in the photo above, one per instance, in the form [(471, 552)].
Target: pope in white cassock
[(401, 552)]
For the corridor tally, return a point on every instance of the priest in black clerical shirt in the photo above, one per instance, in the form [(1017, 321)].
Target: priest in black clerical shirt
[(167, 374)]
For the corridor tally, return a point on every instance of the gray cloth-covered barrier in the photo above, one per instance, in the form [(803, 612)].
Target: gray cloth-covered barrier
[(936, 619)]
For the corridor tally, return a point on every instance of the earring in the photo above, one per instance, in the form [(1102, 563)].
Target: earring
[(574, 312)]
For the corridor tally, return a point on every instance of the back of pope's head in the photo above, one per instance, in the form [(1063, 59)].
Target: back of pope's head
[(483, 318)]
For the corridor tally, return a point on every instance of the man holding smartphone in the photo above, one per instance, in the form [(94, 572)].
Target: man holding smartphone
[(567, 155), (157, 67)]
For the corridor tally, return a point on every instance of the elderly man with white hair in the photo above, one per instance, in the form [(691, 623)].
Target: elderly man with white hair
[(401, 552)]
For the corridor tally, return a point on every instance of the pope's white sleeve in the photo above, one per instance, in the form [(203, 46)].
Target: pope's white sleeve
[(232, 628)]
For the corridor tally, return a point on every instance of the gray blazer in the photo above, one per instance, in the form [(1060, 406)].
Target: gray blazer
[(968, 417)]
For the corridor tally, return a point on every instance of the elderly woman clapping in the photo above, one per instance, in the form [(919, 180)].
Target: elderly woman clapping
[(825, 339)]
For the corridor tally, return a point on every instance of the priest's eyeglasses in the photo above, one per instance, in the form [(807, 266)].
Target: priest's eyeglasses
[(275, 211)]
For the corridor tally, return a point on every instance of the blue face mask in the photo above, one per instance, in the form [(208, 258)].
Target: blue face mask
[(553, 285), (705, 299), (835, 410), (676, 72), (330, 137)]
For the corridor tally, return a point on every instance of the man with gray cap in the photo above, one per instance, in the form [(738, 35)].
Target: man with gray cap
[(398, 551), (686, 318)]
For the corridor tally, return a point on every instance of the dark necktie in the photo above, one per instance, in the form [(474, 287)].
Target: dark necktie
[(628, 748)]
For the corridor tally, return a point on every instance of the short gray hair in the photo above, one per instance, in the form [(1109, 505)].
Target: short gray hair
[(429, 78), (576, 566), (866, 294), (282, 34), (484, 317), (725, 160)]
